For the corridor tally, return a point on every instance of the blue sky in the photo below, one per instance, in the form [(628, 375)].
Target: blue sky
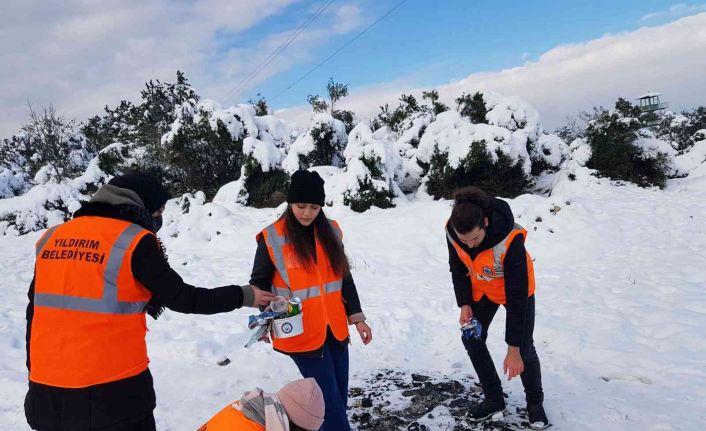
[(560, 56), (427, 43)]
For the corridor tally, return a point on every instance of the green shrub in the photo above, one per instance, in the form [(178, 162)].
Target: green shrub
[(265, 189), (503, 177), (368, 195), (615, 155)]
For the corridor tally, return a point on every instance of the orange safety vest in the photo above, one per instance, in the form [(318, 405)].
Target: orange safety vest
[(89, 311), (487, 270), (319, 288), (231, 419)]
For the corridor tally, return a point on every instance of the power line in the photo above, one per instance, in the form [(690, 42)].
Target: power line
[(282, 46), (338, 50)]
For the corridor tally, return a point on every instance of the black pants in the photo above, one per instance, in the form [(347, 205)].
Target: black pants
[(146, 424), (484, 310)]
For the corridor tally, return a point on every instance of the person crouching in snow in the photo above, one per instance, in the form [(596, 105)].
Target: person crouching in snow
[(298, 406), (490, 267), (301, 255)]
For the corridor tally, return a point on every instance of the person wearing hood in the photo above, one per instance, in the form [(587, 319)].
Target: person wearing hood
[(490, 267), (298, 406), (96, 277)]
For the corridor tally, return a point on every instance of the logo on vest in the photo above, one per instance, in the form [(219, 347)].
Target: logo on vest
[(287, 328), (487, 271)]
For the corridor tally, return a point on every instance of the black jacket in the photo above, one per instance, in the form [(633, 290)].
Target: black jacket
[(501, 222), (111, 405), (264, 271)]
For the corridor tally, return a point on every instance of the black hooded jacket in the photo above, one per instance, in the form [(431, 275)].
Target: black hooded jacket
[(113, 405), (501, 222)]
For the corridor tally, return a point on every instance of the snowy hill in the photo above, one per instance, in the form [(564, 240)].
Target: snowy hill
[(620, 305)]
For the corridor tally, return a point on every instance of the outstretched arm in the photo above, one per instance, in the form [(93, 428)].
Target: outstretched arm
[(151, 269)]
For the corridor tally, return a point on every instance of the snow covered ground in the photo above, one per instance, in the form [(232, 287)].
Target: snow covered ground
[(621, 308)]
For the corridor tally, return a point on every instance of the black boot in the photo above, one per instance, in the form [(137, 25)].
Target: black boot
[(485, 409), (537, 418)]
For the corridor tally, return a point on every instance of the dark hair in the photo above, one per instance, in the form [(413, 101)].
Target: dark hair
[(303, 246), (470, 209)]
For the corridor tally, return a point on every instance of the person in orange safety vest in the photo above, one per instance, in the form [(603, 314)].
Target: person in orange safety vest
[(298, 406), (301, 255), (96, 277), (491, 267)]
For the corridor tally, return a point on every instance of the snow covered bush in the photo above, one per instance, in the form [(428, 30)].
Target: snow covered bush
[(49, 204), (437, 107), (15, 170), (141, 126), (547, 153), (370, 170), (472, 107), (682, 130), (404, 126), (49, 148), (692, 163), (205, 145), (409, 176), (264, 183), (13, 182), (400, 119), (457, 153), (321, 145), (621, 150)]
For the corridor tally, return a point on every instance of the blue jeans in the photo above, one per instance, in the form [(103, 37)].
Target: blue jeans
[(331, 373)]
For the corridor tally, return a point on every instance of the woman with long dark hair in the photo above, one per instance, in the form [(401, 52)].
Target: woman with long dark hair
[(491, 267), (301, 255)]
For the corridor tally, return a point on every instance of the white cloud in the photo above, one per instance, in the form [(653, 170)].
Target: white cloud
[(82, 55), (675, 11), (668, 58)]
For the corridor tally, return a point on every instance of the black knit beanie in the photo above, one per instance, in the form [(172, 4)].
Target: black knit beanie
[(306, 188), (147, 187)]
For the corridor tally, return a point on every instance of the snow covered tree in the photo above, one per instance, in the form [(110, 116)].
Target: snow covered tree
[(56, 148), (203, 151), (318, 103), (260, 105), (336, 91), (682, 129), (436, 106), (141, 127), (321, 145), (398, 119), (371, 164), (617, 150), (472, 107), (15, 166), (573, 129)]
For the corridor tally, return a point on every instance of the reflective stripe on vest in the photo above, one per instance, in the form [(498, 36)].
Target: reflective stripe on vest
[(498, 251), (277, 243), (109, 302), (44, 240)]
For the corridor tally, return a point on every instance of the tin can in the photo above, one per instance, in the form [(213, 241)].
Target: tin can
[(295, 306)]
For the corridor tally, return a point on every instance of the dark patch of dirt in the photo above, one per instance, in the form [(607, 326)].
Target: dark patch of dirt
[(393, 400)]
